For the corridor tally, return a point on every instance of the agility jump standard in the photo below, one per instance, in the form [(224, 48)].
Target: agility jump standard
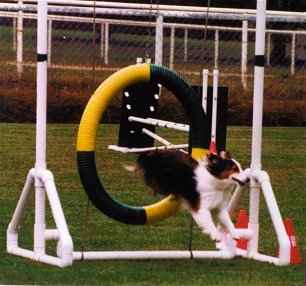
[(43, 181)]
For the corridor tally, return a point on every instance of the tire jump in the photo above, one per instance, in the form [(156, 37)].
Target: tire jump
[(86, 139)]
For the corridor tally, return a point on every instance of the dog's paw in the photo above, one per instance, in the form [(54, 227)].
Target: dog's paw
[(235, 234), (215, 236)]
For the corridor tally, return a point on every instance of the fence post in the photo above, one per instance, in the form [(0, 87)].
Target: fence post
[(185, 45), (14, 33), (172, 47), (268, 49), (293, 45), (19, 56), (159, 40), (106, 45), (216, 48), (102, 35), (49, 41), (244, 53)]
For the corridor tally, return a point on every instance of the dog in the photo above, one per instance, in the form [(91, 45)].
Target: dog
[(203, 186)]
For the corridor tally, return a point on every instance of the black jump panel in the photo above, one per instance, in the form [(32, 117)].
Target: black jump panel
[(222, 107), (140, 100)]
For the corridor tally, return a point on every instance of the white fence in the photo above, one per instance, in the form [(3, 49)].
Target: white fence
[(176, 36), (159, 26)]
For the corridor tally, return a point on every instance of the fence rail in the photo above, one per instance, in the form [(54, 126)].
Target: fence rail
[(148, 9), (187, 39), (159, 25)]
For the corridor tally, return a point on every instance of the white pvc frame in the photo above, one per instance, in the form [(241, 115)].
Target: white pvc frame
[(43, 182)]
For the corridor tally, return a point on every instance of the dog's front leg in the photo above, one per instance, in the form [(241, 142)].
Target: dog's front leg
[(205, 221), (227, 222)]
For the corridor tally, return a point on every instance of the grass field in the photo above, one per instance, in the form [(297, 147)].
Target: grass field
[(284, 156)]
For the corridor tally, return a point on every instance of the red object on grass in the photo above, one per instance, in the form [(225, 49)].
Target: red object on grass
[(242, 222), (295, 257)]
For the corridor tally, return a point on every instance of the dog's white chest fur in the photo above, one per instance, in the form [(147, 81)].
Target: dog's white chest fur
[(214, 193)]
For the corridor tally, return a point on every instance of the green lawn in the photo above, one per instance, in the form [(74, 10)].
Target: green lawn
[(284, 156)]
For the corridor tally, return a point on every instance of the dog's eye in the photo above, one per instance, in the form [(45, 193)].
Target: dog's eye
[(235, 168)]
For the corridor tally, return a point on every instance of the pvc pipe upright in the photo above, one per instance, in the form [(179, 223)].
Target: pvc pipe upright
[(257, 123), (159, 40), (41, 84), (258, 85), (41, 122)]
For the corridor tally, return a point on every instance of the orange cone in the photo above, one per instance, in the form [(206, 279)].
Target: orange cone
[(213, 147), (295, 257), (242, 222)]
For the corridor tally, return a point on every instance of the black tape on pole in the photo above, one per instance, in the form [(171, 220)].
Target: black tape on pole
[(42, 57), (259, 61)]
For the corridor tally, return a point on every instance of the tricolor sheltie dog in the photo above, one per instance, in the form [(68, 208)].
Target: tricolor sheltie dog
[(203, 186)]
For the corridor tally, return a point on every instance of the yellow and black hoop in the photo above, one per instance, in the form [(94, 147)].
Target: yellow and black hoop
[(86, 140)]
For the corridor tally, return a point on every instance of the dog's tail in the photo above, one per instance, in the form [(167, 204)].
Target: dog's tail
[(170, 172)]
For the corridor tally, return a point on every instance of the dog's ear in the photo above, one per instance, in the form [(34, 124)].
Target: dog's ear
[(213, 159), (225, 155)]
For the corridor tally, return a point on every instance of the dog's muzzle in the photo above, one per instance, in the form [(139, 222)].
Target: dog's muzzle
[(241, 178)]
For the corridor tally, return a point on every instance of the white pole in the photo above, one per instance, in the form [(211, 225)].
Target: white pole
[(49, 41), (172, 47), (156, 137), (244, 53), (216, 48), (41, 85), (41, 122), (145, 149), (204, 89), (160, 123), (293, 45), (102, 34), (106, 46), (214, 106), (185, 45), (14, 33), (257, 122), (268, 49), (159, 40), (258, 84), (19, 56), (282, 237)]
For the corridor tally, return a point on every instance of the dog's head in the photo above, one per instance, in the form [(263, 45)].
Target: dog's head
[(223, 166)]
